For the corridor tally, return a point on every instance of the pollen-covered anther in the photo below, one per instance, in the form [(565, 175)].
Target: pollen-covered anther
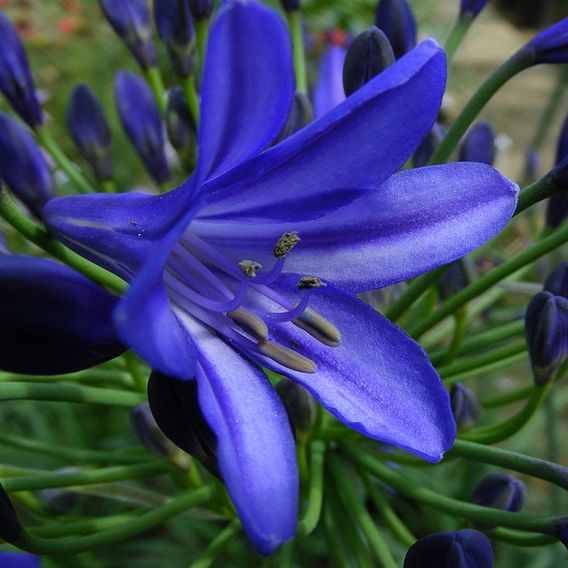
[(249, 267), (285, 244), (286, 357), (309, 283), (318, 327), (250, 322)]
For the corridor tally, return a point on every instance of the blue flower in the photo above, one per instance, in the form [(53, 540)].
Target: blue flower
[(479, 144), (549, 46), (234, 249), (329, 92), (19, 560)]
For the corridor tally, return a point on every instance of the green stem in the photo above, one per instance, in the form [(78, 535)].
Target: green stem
[(551, 425), (137, 371), (454, 507), (37, 235), (69, 393), (74, 174), (142, 523), (217, 545), (345, 488), (529, 255), (522, 539), (507, 398), (154, 78), (536, 192), (81, 478), (297, 33), (201, 34), (108, 186), (507, 459), (311, 516), (456, 37), (75, 526), (460, 327), (190, 92), (117, 378), (496, 80)]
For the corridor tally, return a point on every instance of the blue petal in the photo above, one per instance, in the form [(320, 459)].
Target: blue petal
[(418, 220), (248, 86), (53, 319), (378, 380), (19, 560), (329, 89), (255, 445), (353, 148)]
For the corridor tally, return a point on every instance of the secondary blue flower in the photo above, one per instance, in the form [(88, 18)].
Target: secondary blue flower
[(465, 406), (201, 9), (140, 117), (15, 78), (471, 8), (479, 144), (53, 319), (175, 28), (396, 20), (131, 21), (500, 491), (461, 549), (19, 560), (23, 167), (557, 205), (557, 281), (329, 92), (549, 46), (235, 247), (89, 129)]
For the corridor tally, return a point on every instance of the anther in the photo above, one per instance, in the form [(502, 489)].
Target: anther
[(249, 267), (250, 322), (318, 327), (285, 244), (286, 357), (309, 282)]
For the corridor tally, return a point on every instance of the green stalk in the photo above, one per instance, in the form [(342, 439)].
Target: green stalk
[(217, 545), (69, 393), (108, 186), (140, 524), (522, 539), (74, 174), (536, 192), (190, 92), (201, 34), (507, 398), (37, 235), (311, 516), (460, 327), (297, 33), (94, 375), (551, 431), (154, 79), (456, 36)]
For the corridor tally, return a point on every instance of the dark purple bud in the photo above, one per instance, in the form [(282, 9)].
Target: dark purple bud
[(562, 531), (546, 329), (179, 124), (428, 146), (471, 8), (140, 117), (54, 320), (549, 46), (396, 20), (23, 167), (532, 164), (19, 560), (466, 407), (557, 281), (60, 501), (460, 274), (301, 115), (479, 144), (175, 408), (90, 131), (500, 491), (300, 405), (15, 78), (149, 433), (175, 28), (461, 549), (290, 5), (130, 19), (10, 527), (368, 55), (557, 204), (201, 9)]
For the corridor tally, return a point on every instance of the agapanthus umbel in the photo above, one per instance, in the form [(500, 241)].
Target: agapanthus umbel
[(254, 261)]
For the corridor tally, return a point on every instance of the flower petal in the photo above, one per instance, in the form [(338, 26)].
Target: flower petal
[(255, 445), (378, 380), (354, 147), (418, 220), (329, 89), (248, 86)]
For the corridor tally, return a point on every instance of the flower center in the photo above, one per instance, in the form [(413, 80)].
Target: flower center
[(236, 301)]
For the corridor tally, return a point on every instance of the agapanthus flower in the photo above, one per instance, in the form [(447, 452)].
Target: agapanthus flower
[(329, 91), (253, 262), (479, 144)]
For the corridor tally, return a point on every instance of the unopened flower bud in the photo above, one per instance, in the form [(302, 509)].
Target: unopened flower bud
[(460, 274), (396, 20), (179, 124), (90, 130), (479, 144), (131, 21), (23, 167), (175, 28), (471, 8), (10, 527), (290, 5), (462, 549), (59, 501), (546, 326), (175, 408), (15, 78), (562, 530), (466, 407), (140, 117), (557, 204), (549, 46), (368, 55), (300, 115), (557, 281), (300, 405), (532, 163), (428, 146), (201, 9)]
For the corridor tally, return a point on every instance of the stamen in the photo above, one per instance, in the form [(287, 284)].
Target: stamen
[(289, 315), (249, 267), (318, 327), (250, 322), (286, 357), (285, 244), (309, 283)]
